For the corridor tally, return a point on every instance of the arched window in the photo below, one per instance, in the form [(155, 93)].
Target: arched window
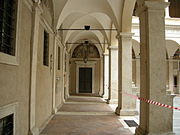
[(174, 8), (177, 54)]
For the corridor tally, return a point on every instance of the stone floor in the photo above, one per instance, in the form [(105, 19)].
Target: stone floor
[(86, 116)]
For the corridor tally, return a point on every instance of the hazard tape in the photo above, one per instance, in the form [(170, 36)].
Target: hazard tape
[(152, 102)]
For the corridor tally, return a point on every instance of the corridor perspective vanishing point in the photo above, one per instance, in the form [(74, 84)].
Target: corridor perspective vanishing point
[(89, 67)]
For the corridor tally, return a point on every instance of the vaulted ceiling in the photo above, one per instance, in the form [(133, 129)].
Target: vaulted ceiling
[(98, 14)]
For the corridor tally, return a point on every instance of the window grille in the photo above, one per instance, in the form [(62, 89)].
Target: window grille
[(46, 49), (7, 26), (6, 125)]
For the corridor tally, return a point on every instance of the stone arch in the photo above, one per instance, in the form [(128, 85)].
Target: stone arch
[(127, 15), (99, 48), (171, 47), (136, 47), (90, 36), (78, 51)]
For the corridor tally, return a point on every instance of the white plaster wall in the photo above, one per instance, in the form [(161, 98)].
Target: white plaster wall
[(134, 71), (44, 82), (15, 80)]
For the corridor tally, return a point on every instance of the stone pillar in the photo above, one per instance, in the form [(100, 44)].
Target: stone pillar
[(178, 79), (154, 120), (113, 74), (126, 104), (106, 75), (171, 79), (35, 34), (138, 73), (66, 75), (63, 74), (54, 75), (101, 91)]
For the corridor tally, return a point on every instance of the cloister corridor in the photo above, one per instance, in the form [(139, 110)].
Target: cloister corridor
[(89, 67)]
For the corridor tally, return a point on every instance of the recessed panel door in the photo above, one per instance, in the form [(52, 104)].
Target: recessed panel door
[(85, 80)]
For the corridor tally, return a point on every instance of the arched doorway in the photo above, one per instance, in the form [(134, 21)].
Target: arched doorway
[(85, 68)]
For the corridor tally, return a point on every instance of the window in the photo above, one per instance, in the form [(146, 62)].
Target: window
[(175, 81), (6, 125), (8, 26), (59, 60), (46, 49), (174, 8)]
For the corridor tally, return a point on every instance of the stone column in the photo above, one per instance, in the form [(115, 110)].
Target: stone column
[(154, 120), (138, 73), (35, 34), (63, 74), (106, 75), (126, 104), (101, 91), (170, 74), (67, 76), (178, 79), (113, 74)]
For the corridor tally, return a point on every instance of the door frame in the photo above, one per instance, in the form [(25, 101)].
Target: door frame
[(81, 64)]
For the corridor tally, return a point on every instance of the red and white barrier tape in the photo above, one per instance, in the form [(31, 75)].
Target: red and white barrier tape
[(152, 102)]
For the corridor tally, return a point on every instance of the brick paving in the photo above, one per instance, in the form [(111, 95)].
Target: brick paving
[(77, 124)]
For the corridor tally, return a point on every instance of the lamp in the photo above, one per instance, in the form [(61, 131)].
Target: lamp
[(87, 27)]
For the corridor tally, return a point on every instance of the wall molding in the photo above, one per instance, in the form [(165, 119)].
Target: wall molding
[(9, 59)]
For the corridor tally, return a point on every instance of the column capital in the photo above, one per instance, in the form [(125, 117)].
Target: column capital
[(105, 54), (37, 1), (156, 5), (170, 58), (138, 57), (151, 5), (37, 8), (127, 35), (113, 47)]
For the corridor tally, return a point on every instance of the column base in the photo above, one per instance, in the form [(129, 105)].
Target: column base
[(112, 101), (126, 112), (34, 131), (104, 96), (140, 131), (100, 94)]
